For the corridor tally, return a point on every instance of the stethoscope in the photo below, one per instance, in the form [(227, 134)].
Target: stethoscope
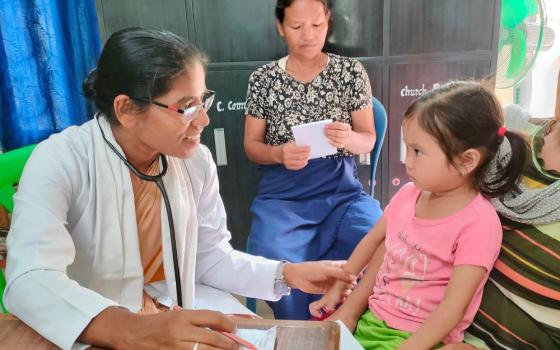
[(158, 179)]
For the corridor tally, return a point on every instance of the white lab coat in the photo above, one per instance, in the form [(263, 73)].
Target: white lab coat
[(52, 248)]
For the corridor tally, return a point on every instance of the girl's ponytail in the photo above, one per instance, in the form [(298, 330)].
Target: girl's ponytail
[(504, 171)]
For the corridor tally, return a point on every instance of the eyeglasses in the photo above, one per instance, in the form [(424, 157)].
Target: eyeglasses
[(191, 112)]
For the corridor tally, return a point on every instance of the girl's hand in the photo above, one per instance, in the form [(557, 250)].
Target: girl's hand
[(328, 303), (406, 346), (295, 157), (338, 134)]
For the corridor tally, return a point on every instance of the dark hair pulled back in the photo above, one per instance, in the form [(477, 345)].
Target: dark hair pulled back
[(281, 6), (140, 63), (462, 115)]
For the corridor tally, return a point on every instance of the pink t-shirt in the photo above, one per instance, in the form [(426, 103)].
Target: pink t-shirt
[(420, 257)]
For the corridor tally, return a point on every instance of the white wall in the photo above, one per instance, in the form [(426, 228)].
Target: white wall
[(545, 72)]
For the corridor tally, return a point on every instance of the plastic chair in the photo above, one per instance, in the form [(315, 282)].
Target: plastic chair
[(12, 164), (2, 287), (380, 120)]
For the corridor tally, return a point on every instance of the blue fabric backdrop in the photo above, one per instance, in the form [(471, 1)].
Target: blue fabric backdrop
[(46, 49)]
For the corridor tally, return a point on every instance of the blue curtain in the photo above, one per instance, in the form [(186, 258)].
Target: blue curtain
[(46, 49)]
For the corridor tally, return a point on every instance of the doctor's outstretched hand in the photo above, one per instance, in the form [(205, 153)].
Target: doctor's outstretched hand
[(118, 328), (316, 277)]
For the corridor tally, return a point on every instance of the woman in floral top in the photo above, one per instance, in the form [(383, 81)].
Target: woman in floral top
[(308, 209)]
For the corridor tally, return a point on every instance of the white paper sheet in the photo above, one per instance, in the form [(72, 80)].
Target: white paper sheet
[(210, 298), (261, 339), (347, 340), (313, 134)]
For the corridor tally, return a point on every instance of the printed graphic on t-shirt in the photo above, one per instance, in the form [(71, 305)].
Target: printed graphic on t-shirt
[(408, 265)]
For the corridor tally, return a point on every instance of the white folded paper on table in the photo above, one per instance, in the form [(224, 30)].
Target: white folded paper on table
[(210, 298), (261, 339), (313, 135), (347, 340)]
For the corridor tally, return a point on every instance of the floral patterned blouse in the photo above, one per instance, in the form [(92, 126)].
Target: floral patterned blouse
[(273, 94)]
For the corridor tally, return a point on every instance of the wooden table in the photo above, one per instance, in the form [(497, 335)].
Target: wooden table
[(295, 335), (15, 334), (292, 335)]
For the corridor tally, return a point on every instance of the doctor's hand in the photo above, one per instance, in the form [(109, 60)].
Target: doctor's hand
[(316, 277), (119, 328), (295, 157)]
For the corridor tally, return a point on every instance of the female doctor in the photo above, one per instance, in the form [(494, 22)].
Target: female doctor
[(117, 220)]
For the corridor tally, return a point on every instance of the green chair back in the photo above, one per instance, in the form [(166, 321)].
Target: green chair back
[(11, 167), (2, 287)]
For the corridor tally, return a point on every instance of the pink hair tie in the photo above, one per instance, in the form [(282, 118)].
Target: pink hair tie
[(502, 131)]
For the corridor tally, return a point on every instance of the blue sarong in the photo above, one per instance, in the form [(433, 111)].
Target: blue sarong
[(317, 213)]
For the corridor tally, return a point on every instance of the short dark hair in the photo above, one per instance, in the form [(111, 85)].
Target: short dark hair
[(140, 63), (465, 114), (281, 6)]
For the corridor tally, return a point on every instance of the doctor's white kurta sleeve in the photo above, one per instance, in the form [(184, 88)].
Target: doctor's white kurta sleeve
[(40, 248), (218, 264)]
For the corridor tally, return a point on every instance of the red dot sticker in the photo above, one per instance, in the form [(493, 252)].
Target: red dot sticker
[(396, 181)]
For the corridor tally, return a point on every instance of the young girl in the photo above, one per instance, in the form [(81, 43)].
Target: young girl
[(441, 233)]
